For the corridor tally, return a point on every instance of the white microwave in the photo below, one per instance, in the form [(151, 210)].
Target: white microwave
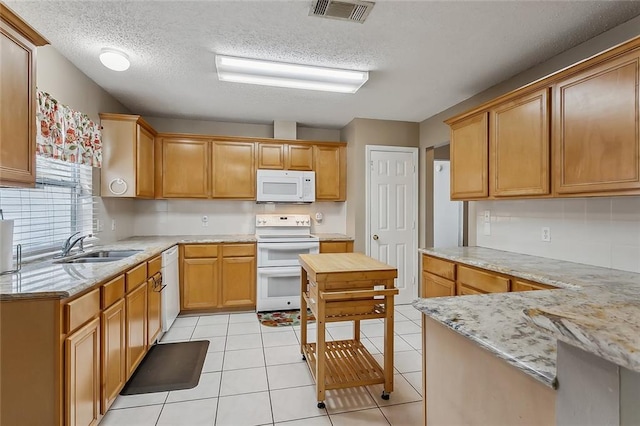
[(286, 186)]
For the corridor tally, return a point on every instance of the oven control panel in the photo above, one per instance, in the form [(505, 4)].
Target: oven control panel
[(283, 220)]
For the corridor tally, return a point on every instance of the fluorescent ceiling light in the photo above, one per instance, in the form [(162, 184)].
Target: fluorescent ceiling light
[(114, 59), (267, 73)]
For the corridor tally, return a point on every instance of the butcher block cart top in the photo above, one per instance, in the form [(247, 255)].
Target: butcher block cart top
[(346, 287)]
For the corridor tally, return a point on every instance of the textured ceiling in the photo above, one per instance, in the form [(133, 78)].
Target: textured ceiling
[(423, 56)]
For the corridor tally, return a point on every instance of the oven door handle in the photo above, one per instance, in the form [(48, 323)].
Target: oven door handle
[(288, 246), (288, 272)]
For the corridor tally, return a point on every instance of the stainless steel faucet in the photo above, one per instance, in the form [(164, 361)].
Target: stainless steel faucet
[(68, 244)]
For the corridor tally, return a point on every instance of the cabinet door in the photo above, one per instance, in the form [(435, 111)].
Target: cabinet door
[(336, 246), (271, 156), (595, 121), (200, 283), (114, 368), (330, 171), (136, 302), (234, 172), (18, 106), (435, 286), (299, 157), (145, 164), (463, 290), (154, 299), (520, 285), (239, 282), (470, 158), (185, 165), (82, 375), (520, 147)]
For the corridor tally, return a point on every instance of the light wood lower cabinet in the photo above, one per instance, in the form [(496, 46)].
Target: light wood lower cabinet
[(336, 246), (136, 307), (114, 370), (238, 282), (154, 301), (446, 278), (218, 276), (200, 283), (82, 375)]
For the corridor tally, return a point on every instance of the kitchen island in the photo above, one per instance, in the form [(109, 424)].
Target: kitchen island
[(485, 358)]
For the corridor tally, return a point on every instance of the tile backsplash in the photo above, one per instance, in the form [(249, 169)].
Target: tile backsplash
[(596, 231), (184, 217)]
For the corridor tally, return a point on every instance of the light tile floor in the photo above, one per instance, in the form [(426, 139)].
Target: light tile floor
[(254, 375)]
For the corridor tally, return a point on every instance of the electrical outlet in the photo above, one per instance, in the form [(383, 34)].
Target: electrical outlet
[(487, 216), (205, 221), (546, 234), (113, 224)]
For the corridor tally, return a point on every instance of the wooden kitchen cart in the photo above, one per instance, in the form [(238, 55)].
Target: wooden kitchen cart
[(346, 287)]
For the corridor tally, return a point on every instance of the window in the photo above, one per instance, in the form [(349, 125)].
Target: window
[(60, 205)]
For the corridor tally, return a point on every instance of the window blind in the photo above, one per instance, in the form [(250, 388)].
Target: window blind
[(60, 205)]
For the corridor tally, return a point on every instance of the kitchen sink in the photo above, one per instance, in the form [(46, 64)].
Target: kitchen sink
[(101, 256)]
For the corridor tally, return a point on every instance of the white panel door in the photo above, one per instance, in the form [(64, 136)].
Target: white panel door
[(392, 215)]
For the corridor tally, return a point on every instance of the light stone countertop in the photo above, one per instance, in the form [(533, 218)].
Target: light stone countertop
[(597, 309), (333, 237), (48, 279)]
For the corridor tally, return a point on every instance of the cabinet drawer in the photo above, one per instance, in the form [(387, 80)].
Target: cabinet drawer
[(336, 246), (112, 291), (136, 276), (81, 310), (463, 290), (519, 285), (435, 286), (439, 267), (200, 250), (485, 282), (231, 250), (154, 265)]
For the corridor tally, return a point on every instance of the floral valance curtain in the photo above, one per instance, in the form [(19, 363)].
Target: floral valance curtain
[(65, 134)]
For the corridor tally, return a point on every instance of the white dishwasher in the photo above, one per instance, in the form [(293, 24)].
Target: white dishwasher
[(171, 293)]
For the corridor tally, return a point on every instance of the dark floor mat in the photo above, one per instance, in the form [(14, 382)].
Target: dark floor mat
[(167, 367)]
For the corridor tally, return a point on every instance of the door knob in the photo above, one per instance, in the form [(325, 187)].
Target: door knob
[(375, 237)]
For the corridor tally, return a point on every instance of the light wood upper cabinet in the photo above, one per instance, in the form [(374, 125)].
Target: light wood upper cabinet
[(185, 168), (595, 122), (519, 146), (285, 156), (469, 158), (233, 171), (271, 156), (18, 44), (127, 156), (299, 157), (330, 167)]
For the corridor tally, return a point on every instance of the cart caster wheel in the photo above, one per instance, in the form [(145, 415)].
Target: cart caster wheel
[(304, 358), (321, 405), (385, 396)]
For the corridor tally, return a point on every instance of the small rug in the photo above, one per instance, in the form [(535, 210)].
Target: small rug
[(167, 367), (283, 318)]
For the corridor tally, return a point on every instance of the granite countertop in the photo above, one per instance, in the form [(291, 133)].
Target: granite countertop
[(332, 237), (597, 309), (48, 279)]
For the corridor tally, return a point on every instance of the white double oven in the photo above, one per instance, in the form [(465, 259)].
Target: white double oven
[(281, 238)]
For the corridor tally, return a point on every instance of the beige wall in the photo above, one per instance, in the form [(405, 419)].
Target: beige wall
[(70, 86), (67, 84), (179, 125), (359, 133), (434, 133)]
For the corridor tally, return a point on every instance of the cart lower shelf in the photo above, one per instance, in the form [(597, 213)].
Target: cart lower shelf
[(347, 363)]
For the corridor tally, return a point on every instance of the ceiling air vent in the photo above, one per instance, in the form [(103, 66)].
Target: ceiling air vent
[(345, 10)]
